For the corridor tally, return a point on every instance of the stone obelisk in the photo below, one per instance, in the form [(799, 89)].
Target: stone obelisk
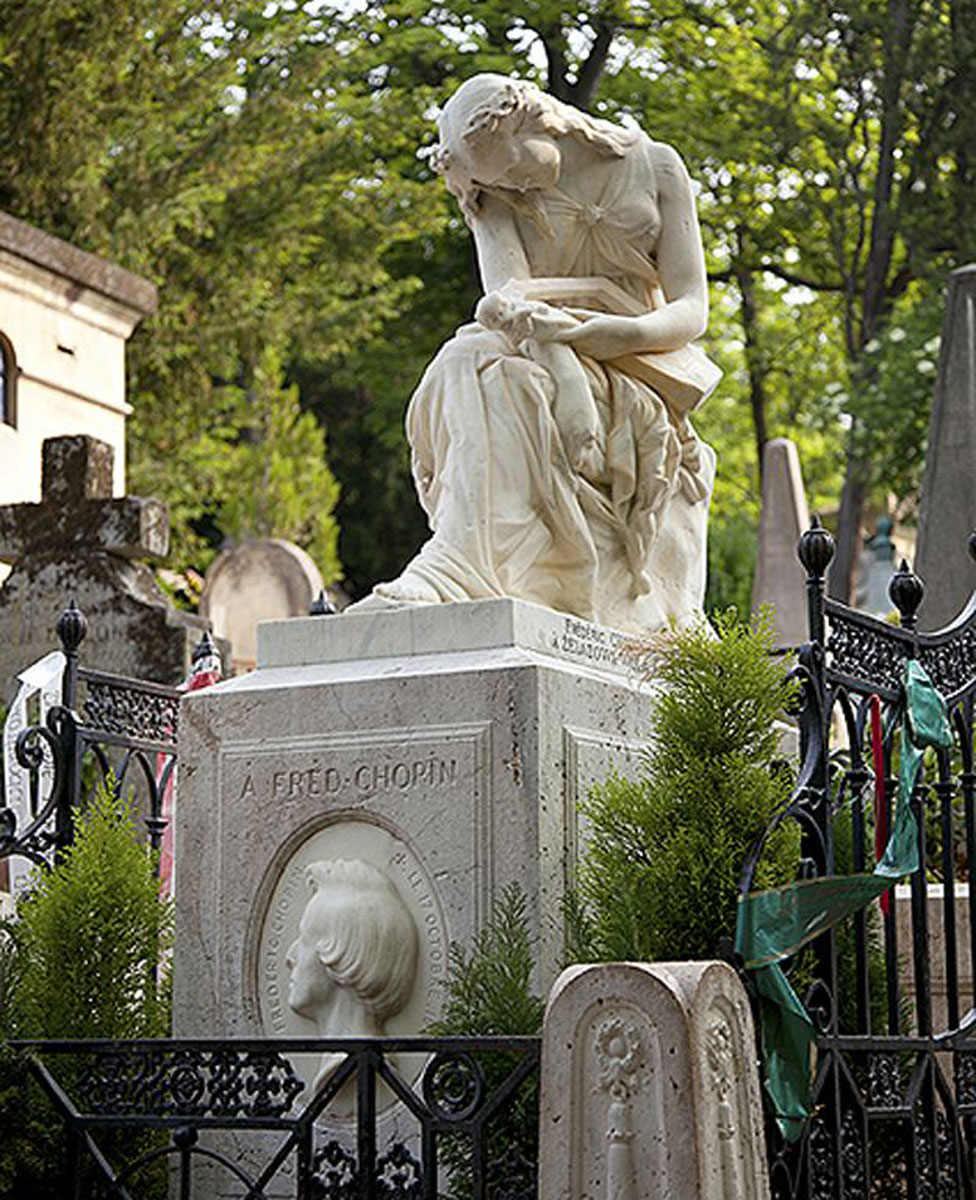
[(948, 508)]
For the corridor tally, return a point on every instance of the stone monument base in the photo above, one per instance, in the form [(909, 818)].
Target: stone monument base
[(448, 746)]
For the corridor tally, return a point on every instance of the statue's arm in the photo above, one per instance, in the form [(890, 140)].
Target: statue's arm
[(501, 255), (681, 269)]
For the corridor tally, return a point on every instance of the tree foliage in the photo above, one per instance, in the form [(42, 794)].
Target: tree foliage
[(266, 165), (229, 156), (90, 937), (84, 959)]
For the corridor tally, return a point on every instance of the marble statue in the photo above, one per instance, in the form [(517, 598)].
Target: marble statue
[(550, 443), (354, 962)]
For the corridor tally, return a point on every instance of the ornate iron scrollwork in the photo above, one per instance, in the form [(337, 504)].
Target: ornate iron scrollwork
[(142, 1080), (130, 709), (884, 1081), (399, 1175), (453, 1085), (951, 664), (36, 833), (335, 1175), (865, 651)]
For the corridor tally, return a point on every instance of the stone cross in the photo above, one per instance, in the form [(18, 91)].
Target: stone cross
[(947, 514), (77, 511), (779, 579)]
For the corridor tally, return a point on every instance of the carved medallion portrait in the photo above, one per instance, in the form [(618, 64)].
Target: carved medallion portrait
[(351, 943)]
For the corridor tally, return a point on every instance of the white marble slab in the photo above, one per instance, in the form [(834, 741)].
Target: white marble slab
[(444, 629)]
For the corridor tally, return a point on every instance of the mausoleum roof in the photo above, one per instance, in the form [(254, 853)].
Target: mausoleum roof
[(54, 254)]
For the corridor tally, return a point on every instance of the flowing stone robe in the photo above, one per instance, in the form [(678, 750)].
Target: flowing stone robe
[(509, 516)]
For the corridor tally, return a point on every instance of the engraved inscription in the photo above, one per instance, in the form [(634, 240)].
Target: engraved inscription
[(589, 643), (431, 928), (284, 783)]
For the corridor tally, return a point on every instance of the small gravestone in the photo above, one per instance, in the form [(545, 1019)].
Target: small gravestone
[(948, 510), (649, 1085), (80, 542), (266, 579), (779, 579)]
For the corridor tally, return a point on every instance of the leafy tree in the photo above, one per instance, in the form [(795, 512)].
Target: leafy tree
[(230, 157), (262, 164)]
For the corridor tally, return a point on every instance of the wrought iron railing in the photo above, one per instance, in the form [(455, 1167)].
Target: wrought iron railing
[(107, 728), (894, 1084), (397, 1119)]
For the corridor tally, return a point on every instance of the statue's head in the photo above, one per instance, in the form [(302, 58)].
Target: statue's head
[(500, 135), (356, 933)]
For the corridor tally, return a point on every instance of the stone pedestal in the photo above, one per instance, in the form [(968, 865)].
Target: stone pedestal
[(446, 746)]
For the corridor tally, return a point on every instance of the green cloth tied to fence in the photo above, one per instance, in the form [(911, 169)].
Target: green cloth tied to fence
[(775, 924)]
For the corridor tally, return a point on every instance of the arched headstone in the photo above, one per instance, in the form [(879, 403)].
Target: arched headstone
[(264, 579)]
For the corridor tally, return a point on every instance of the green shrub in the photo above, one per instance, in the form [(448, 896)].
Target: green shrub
[(82, 960), (489, 990), (90, 934), (659, 875), (490, 993)]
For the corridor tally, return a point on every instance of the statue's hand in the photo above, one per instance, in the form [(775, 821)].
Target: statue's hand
[(604, 337)]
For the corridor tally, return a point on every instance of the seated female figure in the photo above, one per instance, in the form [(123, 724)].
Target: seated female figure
[(600, 221)]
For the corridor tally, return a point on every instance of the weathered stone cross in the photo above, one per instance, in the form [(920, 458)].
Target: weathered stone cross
[(77, 511)]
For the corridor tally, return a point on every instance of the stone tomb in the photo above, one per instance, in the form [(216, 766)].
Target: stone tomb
[(80, 542), (650, 1087), (444, 747)]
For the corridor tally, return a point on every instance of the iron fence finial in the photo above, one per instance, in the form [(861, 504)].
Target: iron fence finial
[(906, 592), (71, 627), (321, 606), (815, 549)]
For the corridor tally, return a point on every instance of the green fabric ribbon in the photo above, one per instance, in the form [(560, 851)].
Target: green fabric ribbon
[(775, 924)]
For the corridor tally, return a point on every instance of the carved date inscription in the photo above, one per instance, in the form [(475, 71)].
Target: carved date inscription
[(584, 642)]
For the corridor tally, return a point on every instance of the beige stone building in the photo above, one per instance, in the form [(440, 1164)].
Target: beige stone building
[(65, 317)]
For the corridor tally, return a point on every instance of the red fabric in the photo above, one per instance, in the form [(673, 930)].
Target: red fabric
[(206, 672), (880, 800)]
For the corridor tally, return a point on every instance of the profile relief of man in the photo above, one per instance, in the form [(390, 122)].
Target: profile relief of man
[(354, 962)]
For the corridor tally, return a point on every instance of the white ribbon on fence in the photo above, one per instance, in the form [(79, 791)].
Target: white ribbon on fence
[(40, 690)]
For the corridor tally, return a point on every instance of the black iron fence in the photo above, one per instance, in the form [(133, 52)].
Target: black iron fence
[(397, 1118), (891, 990), (107, 728)]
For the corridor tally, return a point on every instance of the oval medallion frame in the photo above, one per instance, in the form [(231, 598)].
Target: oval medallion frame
[(281, 900)]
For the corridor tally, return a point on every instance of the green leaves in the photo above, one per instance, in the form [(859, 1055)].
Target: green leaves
[(90, 937), (489, 988), (660, 871)]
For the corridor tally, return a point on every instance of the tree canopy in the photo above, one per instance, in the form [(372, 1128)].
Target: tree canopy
[(265, 164)]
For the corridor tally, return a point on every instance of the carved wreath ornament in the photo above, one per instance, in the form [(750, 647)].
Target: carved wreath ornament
[(721, 1066), (620, 1053)]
